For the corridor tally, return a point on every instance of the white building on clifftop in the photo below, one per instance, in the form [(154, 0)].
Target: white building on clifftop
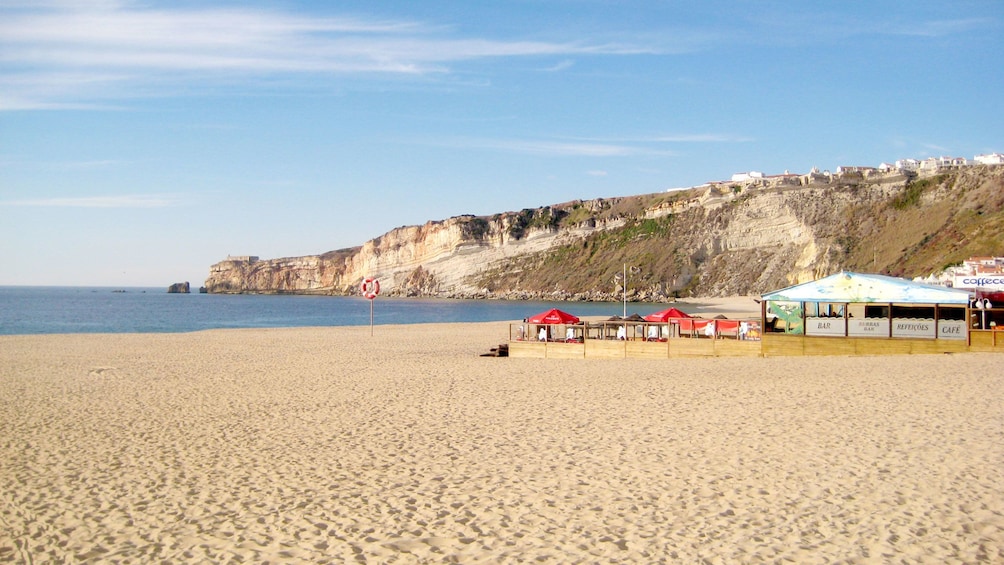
[(743, 177), (989, 159)]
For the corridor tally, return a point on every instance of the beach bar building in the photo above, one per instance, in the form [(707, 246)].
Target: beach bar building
[(852, 313)]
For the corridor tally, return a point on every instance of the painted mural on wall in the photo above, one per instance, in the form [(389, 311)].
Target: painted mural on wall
[(790, 313)]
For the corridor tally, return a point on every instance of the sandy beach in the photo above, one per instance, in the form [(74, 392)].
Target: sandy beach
[(329, 445)]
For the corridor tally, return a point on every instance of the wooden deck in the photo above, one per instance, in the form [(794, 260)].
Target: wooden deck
[(772, 345), (986, 340), (635, 349), (781, 345)]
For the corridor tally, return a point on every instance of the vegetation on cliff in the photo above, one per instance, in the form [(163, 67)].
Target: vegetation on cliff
[(723, 239), (908, 229)]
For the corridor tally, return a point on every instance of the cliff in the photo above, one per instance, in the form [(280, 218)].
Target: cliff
[(714, 240)]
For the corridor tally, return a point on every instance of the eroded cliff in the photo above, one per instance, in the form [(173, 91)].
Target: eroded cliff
[(713, 240)]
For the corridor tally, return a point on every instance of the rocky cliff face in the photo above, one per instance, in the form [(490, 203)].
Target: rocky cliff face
[(435, 259), (712, 240)]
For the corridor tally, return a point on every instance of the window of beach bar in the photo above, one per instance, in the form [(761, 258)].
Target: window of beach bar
[(929, 321)]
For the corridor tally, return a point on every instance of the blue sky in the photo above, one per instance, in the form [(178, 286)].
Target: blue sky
[(141, 142)]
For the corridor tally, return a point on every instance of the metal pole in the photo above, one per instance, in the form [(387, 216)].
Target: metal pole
[(624, 290), (371, 317)]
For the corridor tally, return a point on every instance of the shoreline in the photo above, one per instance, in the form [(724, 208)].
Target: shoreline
[(327, 444), (46, 318)]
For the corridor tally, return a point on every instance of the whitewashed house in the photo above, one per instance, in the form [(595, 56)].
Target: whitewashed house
[(935, 163), (745, 177), (989, 159), (908, 164), (844, 170)]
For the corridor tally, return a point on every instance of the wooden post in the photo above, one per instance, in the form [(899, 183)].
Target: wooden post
[(847, 319), (890, 320), (763, 318)]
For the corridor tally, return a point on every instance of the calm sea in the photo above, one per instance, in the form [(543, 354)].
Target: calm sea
[(49, 310)]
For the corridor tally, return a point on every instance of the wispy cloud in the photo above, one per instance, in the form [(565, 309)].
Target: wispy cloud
[(916, 148), (555, 148), (811, 24), (64, 55), (49, 88), (702, 138), (677, 138), (96, 164), (12, 161), (121, 201), (566, 148), (931, 148), (655, 145), (559, 66), (934, 28)]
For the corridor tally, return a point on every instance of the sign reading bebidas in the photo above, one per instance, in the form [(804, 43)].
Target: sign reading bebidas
[(869, 327)]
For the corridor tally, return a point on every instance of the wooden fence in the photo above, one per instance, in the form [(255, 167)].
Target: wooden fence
[(769, 345)]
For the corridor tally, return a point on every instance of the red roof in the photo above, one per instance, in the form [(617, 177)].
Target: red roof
[(666, 315), (553, 316)]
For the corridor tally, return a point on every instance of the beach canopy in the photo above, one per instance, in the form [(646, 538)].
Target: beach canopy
[(635, 317), (553, 316), (666, 315), (866, 288)]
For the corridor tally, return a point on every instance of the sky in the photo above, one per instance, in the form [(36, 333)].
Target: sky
[(143, 141)]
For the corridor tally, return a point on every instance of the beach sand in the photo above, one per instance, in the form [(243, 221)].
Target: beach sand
[(329, 445)]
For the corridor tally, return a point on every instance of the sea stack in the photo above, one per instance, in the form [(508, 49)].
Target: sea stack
[(179, 288)]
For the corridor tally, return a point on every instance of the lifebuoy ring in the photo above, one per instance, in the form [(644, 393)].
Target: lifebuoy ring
[(370, 288)]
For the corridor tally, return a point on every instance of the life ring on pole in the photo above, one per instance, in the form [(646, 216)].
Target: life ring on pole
[(370, 288)]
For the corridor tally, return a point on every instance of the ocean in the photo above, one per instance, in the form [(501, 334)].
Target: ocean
[(53, 310)]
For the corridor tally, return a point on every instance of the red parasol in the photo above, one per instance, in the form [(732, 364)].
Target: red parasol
[(553, 316), (666, 315)]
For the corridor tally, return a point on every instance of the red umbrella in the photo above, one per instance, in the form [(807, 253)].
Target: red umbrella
[(666, 315), (553, 316)]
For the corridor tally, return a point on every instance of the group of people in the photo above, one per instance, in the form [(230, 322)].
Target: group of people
[(543, 334)]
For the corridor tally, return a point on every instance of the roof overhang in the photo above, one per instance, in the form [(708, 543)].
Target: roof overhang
[(847, 287)]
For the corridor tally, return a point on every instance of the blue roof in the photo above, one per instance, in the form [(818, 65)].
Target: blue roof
[(861, 288)]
